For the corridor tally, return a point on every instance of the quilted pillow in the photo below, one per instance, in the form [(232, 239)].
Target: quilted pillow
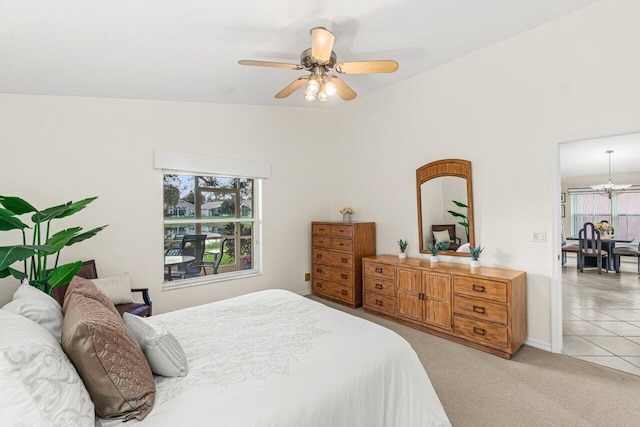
[(163, 351), (88, 289), (107, 357), (37, 306), (442, 236), (40, 386), (117, 288)]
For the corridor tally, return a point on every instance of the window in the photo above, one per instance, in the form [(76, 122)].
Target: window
[(210, 226), (622, 211)]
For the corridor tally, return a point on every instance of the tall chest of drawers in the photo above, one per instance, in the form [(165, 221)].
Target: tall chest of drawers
[(337, 251), (483, 307)]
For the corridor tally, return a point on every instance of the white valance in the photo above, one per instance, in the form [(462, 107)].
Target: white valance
[(210, 165)]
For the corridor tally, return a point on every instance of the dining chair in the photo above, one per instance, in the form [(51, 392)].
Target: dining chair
[(626, 251), (566, 248), (590, 245)]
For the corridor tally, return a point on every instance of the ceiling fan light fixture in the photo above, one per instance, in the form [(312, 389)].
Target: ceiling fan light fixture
[(322, 96), (310, 96), (330, 88), (313, 86)]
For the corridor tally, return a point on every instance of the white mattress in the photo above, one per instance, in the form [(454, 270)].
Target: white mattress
[(274, 358)]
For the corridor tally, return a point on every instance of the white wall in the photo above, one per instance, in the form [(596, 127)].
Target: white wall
[(501, 108), (56, 149)]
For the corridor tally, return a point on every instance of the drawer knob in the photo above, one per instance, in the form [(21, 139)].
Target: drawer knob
[(378, 270), (318, 270), (341, 244), (320, 256), (379, 302), (319, 285), (478, 331), (378, 286), (341, 231), (345, 260), (344, 292), (344, 276), (478, 288), (478, 309)]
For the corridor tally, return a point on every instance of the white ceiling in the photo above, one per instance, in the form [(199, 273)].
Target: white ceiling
[(187, 50), (589, 157)]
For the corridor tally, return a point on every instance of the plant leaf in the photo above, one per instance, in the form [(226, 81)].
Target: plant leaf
[(86, 235), (61, 238), (20, 275), (5, 273), (11, 254), (63, 274), (458, 214), (8, 221), (49, 213), (76, 207), (460, 204), (464, 224), (16, 205)]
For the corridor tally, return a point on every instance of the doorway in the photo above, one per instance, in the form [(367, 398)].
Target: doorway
[(600, 313)]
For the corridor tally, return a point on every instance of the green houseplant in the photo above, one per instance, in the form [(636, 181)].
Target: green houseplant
[(43, 244), (465, 219), (475, 255), (435, 247), (403, 246)]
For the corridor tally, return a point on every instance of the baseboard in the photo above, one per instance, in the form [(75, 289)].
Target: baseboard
[(542, 345), (305, 292)]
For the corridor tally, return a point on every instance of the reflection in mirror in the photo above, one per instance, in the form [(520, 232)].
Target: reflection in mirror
[(445, 206)]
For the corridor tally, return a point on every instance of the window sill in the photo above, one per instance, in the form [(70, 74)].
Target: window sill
[(205, 280)]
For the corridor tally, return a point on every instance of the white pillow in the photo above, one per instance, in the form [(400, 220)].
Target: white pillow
[(117, 288), (37, 306), (40, 386), (441, 236), (464, 248), (163, 351)]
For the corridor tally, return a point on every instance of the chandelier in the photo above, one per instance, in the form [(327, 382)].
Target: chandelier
[(610, 189)]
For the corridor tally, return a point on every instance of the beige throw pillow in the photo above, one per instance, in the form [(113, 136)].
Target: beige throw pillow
[(164, 353), (117, 288), (442, 236), (37, 306), (106, 356)]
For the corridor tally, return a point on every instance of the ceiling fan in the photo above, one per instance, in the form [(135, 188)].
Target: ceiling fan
[(319, 60)]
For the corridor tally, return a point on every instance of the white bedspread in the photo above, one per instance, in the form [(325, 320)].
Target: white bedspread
[(274, 358)]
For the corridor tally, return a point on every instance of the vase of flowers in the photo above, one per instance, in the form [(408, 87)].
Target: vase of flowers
[(403, 245), (475, 255), (604, 228), (346, 213)]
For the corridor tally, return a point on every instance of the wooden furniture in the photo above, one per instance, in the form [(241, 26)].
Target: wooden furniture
[(89, 271), (484, 308), (444, 188), (337, 251), (591, 247), (625, 251)]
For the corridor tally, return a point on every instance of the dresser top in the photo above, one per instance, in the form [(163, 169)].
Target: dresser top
[(342, 222), (448, 267)]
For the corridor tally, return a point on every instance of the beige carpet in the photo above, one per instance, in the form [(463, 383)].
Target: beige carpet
[(534, 388)]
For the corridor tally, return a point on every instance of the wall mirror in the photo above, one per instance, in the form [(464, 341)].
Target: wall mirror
[(445, 206)]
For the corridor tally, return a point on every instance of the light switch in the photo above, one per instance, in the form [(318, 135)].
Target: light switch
[(539, 236)]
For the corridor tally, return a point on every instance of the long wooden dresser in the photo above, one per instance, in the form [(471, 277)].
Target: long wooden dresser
[(484, 308), (337, 251)]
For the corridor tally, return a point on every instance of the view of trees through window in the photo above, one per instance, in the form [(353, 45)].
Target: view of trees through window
[(220, 208), (621, 211)]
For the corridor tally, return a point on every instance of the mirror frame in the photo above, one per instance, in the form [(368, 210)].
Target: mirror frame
[(448, 167)]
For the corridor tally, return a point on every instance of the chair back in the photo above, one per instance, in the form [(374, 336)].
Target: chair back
[(451, 228), (193, 245), (589, 238)]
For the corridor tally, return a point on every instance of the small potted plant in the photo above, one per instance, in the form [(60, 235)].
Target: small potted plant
[(434, 248), (475, 255), (403, 245), (346, 212)]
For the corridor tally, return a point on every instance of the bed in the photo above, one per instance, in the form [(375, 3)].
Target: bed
[(274, 358)]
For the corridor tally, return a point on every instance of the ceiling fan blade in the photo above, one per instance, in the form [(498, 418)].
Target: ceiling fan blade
[(364, 67), (344, 91), (295, 85), (270, 64), (321, 44)]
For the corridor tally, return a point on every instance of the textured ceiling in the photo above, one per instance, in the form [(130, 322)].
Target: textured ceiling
[(187, 50)]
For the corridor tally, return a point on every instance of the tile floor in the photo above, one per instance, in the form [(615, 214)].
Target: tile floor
[(601, 316)]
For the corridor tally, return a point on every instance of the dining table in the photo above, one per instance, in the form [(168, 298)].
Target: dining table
[(172, 260), (608, 243)]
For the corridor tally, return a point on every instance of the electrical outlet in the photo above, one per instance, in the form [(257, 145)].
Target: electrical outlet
[(539, 236), (307, 277)]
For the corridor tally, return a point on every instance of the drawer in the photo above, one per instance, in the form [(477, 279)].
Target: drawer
[(321, 229), (383, 271), (480, 331), (342, 244), (338, 259), (321, 242), (480, 309), (342, 230), (377, 302), (338, 275), (333, 290), (379, 286), (481, 288)]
